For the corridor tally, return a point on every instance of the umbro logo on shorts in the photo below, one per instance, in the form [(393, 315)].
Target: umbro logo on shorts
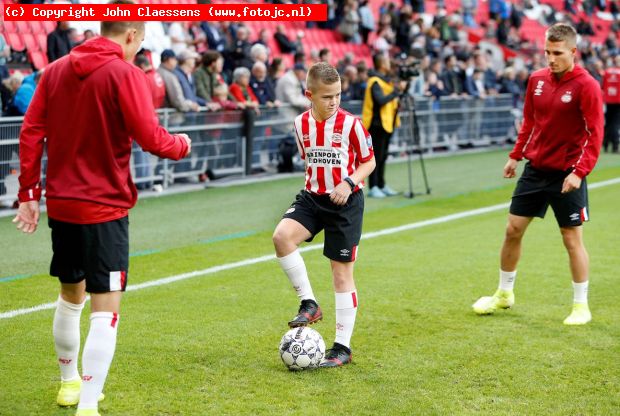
[(344, 252)]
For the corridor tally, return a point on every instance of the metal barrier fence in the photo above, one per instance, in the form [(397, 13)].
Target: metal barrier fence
[(243, 142)]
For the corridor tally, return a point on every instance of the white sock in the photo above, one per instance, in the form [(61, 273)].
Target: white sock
[(67, 337), (295, 268), (346, 309), (507, 280), (580, 292), (97, 356)]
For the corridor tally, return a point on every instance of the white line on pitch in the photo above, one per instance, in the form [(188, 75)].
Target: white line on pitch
[(262, 259)]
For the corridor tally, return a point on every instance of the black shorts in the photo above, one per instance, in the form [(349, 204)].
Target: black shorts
[(537, 189), (98, 253), (342, 224)]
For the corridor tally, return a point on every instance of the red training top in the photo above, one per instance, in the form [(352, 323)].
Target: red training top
[(611, 86), (87, 107), (562, 122)]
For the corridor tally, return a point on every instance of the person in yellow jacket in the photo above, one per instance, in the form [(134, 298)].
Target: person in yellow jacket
[(380, 118)]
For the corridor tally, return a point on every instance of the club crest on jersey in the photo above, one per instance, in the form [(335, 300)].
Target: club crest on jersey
[(306, 137), (567, 97), (336, 138), (538, 90)]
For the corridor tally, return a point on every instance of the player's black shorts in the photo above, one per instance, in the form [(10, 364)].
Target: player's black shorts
[(98, 253), (537, 189), (342, 224)]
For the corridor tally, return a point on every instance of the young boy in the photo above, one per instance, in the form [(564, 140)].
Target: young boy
[(339, 155)]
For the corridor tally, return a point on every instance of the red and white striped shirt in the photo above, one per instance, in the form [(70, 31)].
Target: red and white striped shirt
[(332, 149)]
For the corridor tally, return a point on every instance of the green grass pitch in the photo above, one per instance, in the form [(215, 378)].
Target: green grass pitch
[(208, 345)]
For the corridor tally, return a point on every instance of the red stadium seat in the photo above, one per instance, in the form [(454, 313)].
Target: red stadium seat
[(15, 41), (30, 42), (22, 26), (38, 59), (36, 27), (42, 41), (49, 26), (10, 27)]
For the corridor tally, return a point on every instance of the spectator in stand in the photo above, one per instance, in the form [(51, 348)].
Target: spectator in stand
[(362, 79), (452, 77), (434, 88), (220, 96), (611, 96), (141, 159), (380, 118), (354, 90), (276, 70), (58, 42), (259, 53), (216, 40), (474, 84), (8, 89), (299, 58), (384, 41), (264, 35), (291, 88), (481, 62), (262, 86), (240, 89), (184, 72), (285, 44), (584, 27), (88, 34), (367, 21), (174, 92), (349, 26), (198, 37), (24, 94), (179, 37), (325, 55), (238, 55), (509, 85), (209, 74), (5, 52)]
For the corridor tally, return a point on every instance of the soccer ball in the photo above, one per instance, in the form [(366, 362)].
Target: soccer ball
[(302, 348)]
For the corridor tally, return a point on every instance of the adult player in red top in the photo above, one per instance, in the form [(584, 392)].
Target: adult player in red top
[(561, 138), (87, 108), (339, 156), (611, 96)]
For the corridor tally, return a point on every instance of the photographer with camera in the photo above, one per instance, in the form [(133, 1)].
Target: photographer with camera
[(380, 117)]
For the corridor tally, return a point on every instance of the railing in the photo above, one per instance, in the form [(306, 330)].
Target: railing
[(243, 142)]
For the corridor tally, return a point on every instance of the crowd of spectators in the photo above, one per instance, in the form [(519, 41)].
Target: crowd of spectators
[(221, 66)]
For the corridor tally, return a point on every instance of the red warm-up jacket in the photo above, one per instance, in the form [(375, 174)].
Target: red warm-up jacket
[(87, 108), (562, 122)]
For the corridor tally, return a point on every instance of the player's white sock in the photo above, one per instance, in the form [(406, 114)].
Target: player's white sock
[(67, 337), (295, 268), (98, 353), (507, 280), (580, 292), (346, 309)]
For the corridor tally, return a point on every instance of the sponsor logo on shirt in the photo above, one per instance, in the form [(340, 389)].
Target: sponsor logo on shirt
[(538, 90), (567, 97), (323, 156)]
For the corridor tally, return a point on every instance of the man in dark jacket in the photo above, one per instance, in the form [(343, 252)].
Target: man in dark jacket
[(58, 41)]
